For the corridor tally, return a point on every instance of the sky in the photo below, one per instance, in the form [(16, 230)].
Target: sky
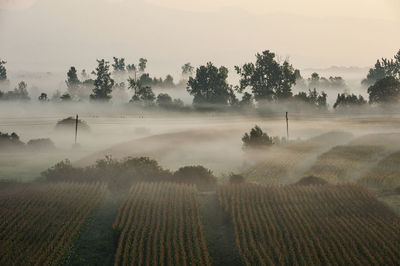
[(51, 35)]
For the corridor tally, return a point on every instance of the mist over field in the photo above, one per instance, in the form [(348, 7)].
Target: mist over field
[(149, 132)]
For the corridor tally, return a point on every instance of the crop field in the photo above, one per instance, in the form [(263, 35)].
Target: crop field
[(345, 163), (385, 175), (160, 225), (38, 223), (282, 164), (311, 225)]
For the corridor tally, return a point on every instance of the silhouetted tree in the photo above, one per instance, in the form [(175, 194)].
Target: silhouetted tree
[(386, 90), (247, 100), (103, 83), (313, 98), (168, 82), (346, 100), (119, 64), (210, 86), (142, 64), (19, 93), (187, 70), (198, 175), (164, 100), (383, 68), (267, 78), (143, 94), (257, 139), (72, 81), (3, 71)]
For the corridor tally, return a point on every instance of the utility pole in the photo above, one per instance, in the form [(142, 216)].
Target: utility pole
[(76, 128), (287, 127)]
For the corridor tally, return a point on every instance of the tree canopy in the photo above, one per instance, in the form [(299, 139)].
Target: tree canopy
[(103, 83), (347, 100), (72, 81), (3, 71), (210, 86), (384, 68), (119, 64), (386, 90), (267, 78), (257, 139)]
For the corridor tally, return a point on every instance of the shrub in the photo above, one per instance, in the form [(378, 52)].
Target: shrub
[(236, 179), (198, 175), (257, 139), (69, 123), (311, 180)]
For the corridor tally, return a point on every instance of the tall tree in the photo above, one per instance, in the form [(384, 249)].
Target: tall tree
[(384, 68), (267, 78), (210, 85), (3, 71), (72, 81), (103, 83), (142, 64), (386, 90), (119, 64)]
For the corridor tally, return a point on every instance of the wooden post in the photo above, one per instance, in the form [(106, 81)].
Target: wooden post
[(76, 128), (287, 127)]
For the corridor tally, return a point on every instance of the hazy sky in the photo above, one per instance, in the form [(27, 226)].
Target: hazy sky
[(51, 35)]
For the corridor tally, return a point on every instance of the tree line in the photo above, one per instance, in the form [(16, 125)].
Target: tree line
[(264, 81)]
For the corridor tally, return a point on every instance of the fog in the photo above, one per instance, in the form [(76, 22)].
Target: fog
[(174, 139)]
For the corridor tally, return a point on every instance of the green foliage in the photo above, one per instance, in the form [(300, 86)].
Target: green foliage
[(210, 86), (72, 81), (119, 64), (267, 78), (202, 177), (257, 139), (347, 100), (386, 90), (313, 98), (3, 71), (103, 83), (383, 68), (121, 174)]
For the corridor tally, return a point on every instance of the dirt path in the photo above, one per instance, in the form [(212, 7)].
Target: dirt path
[(218, 230), (97, 242)]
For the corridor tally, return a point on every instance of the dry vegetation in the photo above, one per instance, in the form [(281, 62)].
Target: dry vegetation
[(347, 163), (38, 223), (282, 163), (160, 225), (385, 175), (311, 225)]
